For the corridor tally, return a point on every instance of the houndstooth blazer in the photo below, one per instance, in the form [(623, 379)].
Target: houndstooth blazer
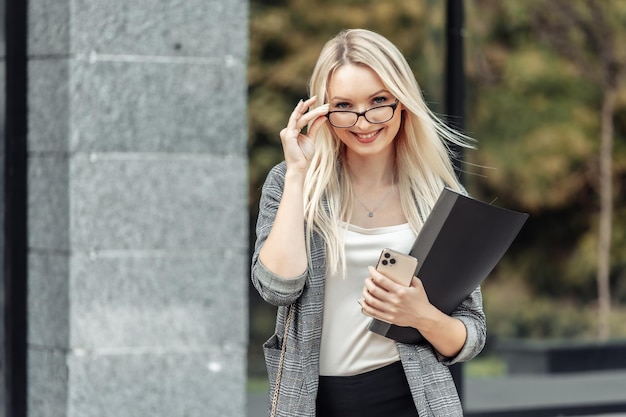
[(427, 372)]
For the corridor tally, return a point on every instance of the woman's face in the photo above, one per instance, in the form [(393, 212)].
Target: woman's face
[(358, 88)]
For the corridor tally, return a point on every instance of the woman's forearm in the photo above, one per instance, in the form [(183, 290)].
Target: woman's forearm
[(284, 251), (447, 334)]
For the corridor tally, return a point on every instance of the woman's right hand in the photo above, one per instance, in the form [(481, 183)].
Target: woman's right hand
[(297, 146), (284, 251)]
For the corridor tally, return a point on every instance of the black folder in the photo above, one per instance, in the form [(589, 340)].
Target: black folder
[(460, 243)]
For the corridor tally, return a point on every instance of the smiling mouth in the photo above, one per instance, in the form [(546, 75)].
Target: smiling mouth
[(364, 137)]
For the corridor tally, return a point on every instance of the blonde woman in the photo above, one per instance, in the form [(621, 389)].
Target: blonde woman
[(362, 177)]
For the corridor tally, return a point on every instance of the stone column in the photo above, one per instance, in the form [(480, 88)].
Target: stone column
[(137, 208)]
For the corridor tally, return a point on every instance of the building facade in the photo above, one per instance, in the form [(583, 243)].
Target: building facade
[(125, 258)]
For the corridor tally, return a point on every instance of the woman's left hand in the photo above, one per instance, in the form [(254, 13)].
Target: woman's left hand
[(409, 306), (388, 301)]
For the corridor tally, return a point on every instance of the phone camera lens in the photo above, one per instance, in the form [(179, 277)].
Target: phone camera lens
[(387, 255), (384, 262), (392, 261)]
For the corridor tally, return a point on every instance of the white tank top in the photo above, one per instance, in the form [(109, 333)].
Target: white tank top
[(347, 347)]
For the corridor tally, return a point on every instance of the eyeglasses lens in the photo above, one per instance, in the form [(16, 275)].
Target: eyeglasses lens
[(348, 119)]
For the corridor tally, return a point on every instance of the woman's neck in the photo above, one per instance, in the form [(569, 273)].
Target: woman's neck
[(370, 171)]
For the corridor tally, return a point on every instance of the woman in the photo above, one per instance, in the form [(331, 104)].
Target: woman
[(363, 177)]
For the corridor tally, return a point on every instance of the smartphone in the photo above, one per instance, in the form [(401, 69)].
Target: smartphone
[(397, 266)]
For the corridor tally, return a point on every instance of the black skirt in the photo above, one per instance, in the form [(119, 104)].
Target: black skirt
[(381, 392)]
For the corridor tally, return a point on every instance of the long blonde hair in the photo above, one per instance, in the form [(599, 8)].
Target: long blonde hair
[(422, 157)]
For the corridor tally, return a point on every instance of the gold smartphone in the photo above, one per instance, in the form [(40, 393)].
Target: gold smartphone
[(397, 266)]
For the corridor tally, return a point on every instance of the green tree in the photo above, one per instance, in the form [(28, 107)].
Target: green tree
[(585, 34), (536, 113)]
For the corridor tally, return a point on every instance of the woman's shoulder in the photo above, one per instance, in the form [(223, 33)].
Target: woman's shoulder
[(277, 173), (275, 178), (280, 169)]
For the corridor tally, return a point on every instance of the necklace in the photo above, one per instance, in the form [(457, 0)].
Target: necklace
[(370, 213)]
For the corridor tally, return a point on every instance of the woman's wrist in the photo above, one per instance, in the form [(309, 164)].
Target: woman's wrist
[(295, 176), (428, 319), (447, 334)]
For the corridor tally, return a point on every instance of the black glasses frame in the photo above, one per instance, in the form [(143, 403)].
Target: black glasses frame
[(364, 114)]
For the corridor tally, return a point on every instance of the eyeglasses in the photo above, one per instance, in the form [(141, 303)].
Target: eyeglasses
[(375, 115)]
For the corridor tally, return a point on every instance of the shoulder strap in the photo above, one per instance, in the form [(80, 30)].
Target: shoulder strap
[(279, 373)]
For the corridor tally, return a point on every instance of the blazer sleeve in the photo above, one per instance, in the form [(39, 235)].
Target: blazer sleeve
[(471, 313), (274, 289)]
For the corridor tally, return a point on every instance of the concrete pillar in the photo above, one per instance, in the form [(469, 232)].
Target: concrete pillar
[(137, 211)]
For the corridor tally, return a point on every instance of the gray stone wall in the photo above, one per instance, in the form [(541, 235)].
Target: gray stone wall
[(137, 203)]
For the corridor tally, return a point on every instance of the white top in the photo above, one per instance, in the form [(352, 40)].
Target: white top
[(347, 347)]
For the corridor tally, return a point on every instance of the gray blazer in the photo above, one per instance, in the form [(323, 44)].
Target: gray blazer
[(427, 372)]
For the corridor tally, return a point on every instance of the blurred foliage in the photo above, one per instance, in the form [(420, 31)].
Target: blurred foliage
[(535, 116)]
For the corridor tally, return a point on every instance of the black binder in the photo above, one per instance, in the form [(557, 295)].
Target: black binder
[(460, 243)]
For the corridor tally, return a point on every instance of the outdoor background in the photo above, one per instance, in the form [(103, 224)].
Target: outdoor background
[(546, 101)]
